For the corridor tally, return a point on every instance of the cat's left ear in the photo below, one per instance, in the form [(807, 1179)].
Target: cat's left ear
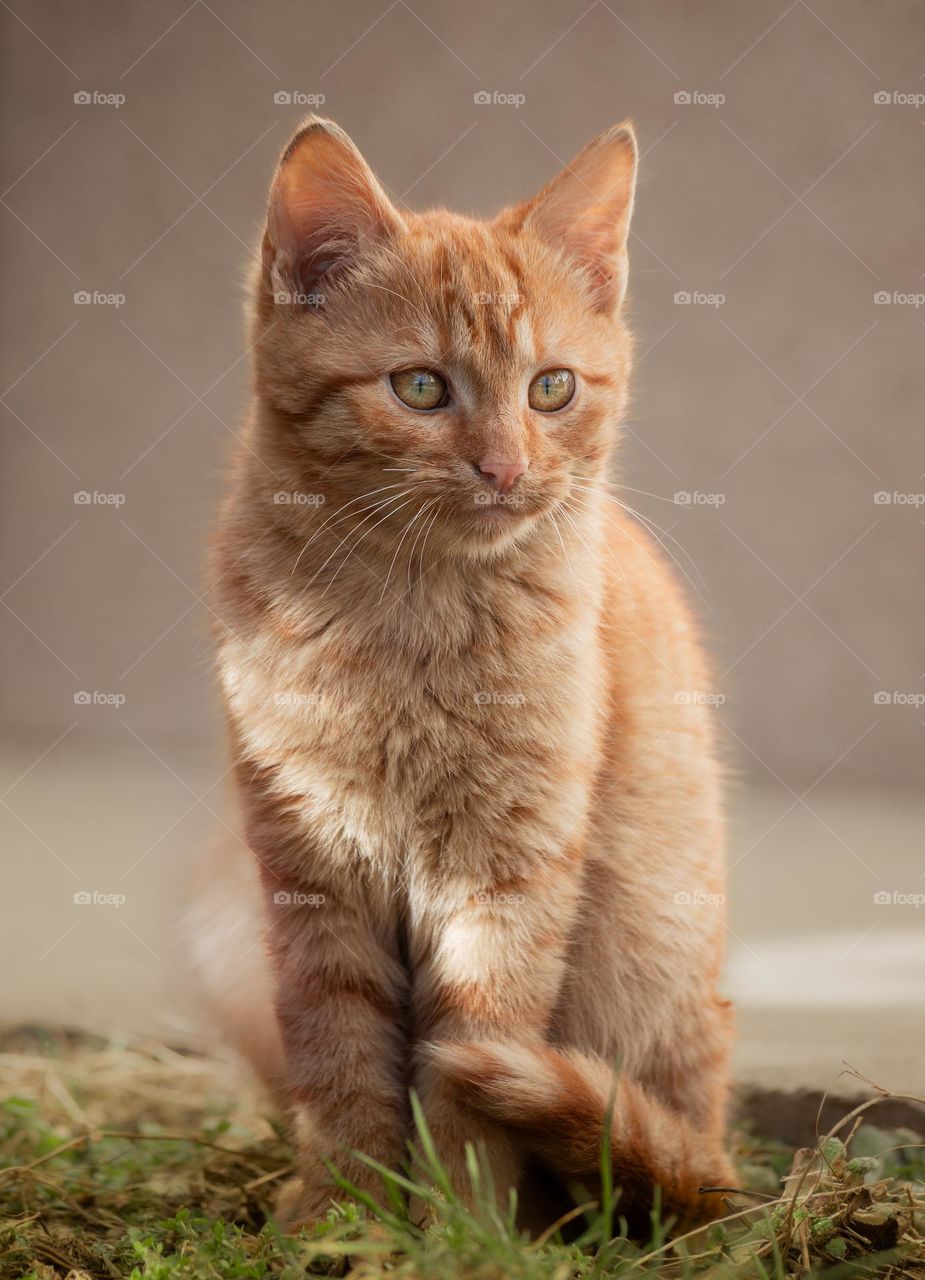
[(325, 208), (585, 212)]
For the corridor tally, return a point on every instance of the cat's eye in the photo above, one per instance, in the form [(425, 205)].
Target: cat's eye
[(419, 388), (551, 390)]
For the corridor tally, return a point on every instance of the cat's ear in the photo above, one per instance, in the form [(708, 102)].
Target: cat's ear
[(585, 212), (325, 206)]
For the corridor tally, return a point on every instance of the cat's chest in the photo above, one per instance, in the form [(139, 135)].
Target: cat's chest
[(391, 745)]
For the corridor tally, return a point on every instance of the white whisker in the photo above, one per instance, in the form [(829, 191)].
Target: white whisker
[(351, 550), (430, 525), (325, 524), (680, 567), (427, 506), (377, 507)]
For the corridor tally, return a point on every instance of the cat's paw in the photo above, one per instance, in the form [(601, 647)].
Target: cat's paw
[(297, 1207)]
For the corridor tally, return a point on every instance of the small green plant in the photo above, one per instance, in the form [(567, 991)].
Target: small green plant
[(107, 1170)]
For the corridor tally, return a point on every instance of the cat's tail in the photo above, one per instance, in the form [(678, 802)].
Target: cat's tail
[(224, 934), (557, 1102)]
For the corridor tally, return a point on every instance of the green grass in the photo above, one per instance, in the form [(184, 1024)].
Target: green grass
[(134, 1161)]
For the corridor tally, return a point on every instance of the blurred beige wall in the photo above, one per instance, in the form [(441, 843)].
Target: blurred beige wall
[(772, 176)]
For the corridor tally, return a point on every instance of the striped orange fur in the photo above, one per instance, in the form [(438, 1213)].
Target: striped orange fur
[(481, 827)]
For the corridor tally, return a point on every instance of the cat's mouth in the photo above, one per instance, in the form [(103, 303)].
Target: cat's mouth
[(494, 506)]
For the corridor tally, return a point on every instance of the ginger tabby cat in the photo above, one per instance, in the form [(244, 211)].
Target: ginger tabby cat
[(483, 833)]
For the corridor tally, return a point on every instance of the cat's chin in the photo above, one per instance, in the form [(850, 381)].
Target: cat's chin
[(494, 533)]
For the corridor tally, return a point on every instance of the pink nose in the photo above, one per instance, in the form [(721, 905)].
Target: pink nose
[(503, 475)]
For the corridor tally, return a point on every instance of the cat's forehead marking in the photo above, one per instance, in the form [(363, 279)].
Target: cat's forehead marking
[(481, 298)]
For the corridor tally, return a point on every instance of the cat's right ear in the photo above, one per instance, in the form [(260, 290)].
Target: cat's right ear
[(325, 205)]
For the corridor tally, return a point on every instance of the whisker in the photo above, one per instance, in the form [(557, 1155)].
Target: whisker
[(650, 523), (325, 524), (425, 318), (411, 552), (351, 550), (427, 506), (658, 496), (596, 557), (377, 507), (555, 525), (424, 548), (674, 559)]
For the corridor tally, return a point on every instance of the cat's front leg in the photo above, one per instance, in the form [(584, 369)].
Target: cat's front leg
[(341, 996), (488, 961)]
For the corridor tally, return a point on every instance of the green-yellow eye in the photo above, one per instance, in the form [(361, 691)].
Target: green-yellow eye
[(551, 390), (419, 388)]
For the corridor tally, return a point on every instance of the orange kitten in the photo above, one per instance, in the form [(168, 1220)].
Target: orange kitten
[(479, 820)]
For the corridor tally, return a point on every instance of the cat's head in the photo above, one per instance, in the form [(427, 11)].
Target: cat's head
[(480, 367)]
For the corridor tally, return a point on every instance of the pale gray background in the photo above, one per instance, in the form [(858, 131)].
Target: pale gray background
[(796, 400)]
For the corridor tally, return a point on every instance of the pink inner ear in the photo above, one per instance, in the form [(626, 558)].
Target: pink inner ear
[(324, 203), (585, 212)]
